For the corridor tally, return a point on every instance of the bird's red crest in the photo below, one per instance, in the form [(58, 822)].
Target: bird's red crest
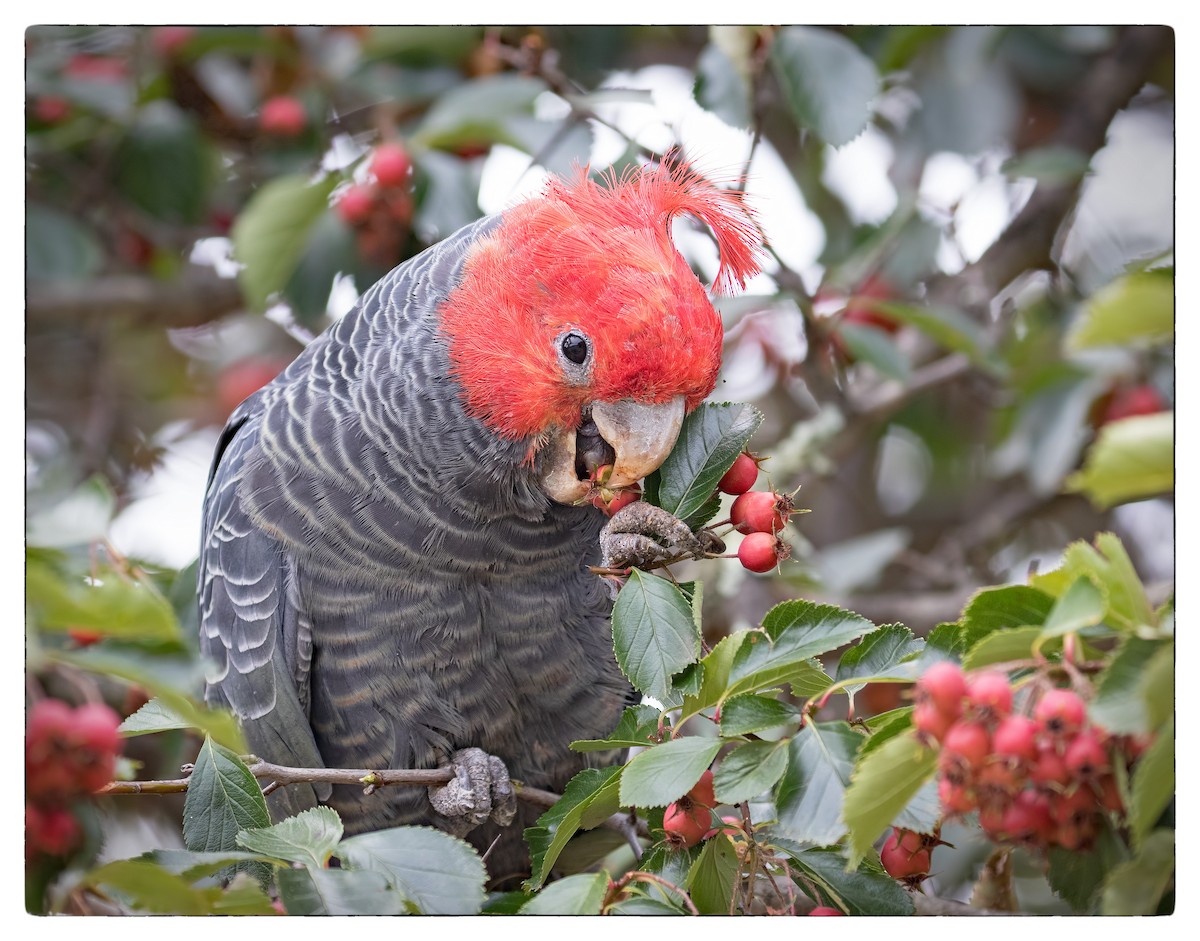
[(595, 257)]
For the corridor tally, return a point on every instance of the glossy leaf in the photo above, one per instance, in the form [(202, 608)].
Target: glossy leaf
[(666, 772), (1120, 704), (810, 796), (1001, 647), (588, 798), (654, 636), (886, 652), (1153, 785), (863, 890), (750, 770), (741, 715), (1079, 877), (1127, 607), (637, 728), (711, 880), (223, 798)]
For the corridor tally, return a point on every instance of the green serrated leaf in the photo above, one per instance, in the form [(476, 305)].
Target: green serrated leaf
[(828, 82), (1135, 310), (1127, 607), (666, 772), (887, 652), (437, 873), (637, 728), (654, 636), (1002, 646), (1153, 784), (709, 442), (223, 798), (881, 786), (792, 632), (1136, 887), (1078, 878), (574, 895), (639, 905), (243, 896), (148, 887), (154, 716), (476, 112), (192, 866), (750, 712), (713, 877), (810, 796), (864, 890), (875, 347), (309, 838), (1130, 459), (589, 797), (1158, 686), (946, 326), (1081, 605), (339, 892), (270, 234), (885, 726), (716, 664), (750, 770), (1120, 704)]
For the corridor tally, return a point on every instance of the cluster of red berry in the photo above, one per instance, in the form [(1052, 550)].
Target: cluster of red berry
[(1040, 779), (69, 753), (380, 210), (759, 514)]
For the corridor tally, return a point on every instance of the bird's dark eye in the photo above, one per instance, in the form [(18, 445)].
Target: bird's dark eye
[(575, 348)]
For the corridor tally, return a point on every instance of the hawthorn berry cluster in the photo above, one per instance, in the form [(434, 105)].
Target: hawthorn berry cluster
[(69, 753), (381, 209), (1039, 778), (759, 515)]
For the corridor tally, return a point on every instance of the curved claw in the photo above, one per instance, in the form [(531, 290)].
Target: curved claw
[(481, 791), (642, 535)]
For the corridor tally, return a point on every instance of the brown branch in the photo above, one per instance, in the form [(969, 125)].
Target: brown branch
[(196, 297), (930, 905)]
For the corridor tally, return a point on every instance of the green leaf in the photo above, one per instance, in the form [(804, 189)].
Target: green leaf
[(865, 890), (192, 866), (1130, 459), (1002, 646), (666, 772), (828, 82), (741, 715), (308, 838), (1053, 165), (450, 199), (271, 233), (1135, 310), (475, 112), (875, 347), (792, 632), (654, 636), (1158, 686), (574, 895), (715, 665), (243, 896), (1136, 887), (59, 247), (1078, 878), (886, 726), (637, 728), (1109, 567), (750, 770), (946, 326), (721, 88), (1153, 784), (713, 875), (154, 716), (150, 888), (640, 905), (165, 164), (223, 798), (883, 783), (993, 609), (881, 654), (589, 797), (1080, 606), (338, 892), (810, 796), (709, 442), (437, 873), (1120, 704), (110, 603)]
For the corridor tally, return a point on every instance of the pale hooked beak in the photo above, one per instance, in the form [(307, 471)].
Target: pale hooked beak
[(641, 437)]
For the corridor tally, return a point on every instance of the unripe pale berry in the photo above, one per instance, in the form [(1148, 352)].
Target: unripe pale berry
[(761, 552), (740, 477)]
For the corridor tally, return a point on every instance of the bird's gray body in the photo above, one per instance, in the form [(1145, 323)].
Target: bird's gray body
[(382, 582)]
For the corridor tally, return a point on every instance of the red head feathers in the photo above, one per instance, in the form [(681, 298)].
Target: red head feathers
[(579, 296)]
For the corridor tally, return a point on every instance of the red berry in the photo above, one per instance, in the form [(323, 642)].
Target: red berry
[(1085, 756), (355, 203), (955, 798), (51, 109), (242, 379), (686, 823), (282, 116), (825, 910), (928, 719), (997, 781), (702, 791), (740, 477), (1049, 771), (97, 743), (761, 552), (50, 773), (1075, 834), (966, 745), (1074, 806), (1060, 713), (1109, 795), (905, 855), (761, 511), (1015, 738), (989, 695), (51, 830), (1131, 401), (863, 305), (1028, 820), (169, 40), (943, 685), (391, 165), (96, 68)]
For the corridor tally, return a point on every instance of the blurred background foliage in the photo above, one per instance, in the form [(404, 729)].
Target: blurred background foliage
[(962, 342)]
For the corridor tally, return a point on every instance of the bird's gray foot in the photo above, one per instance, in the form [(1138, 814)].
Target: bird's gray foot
[(481, 791), (643, 536)]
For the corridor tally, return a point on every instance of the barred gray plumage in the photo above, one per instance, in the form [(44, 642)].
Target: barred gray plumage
[(382, 581)]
